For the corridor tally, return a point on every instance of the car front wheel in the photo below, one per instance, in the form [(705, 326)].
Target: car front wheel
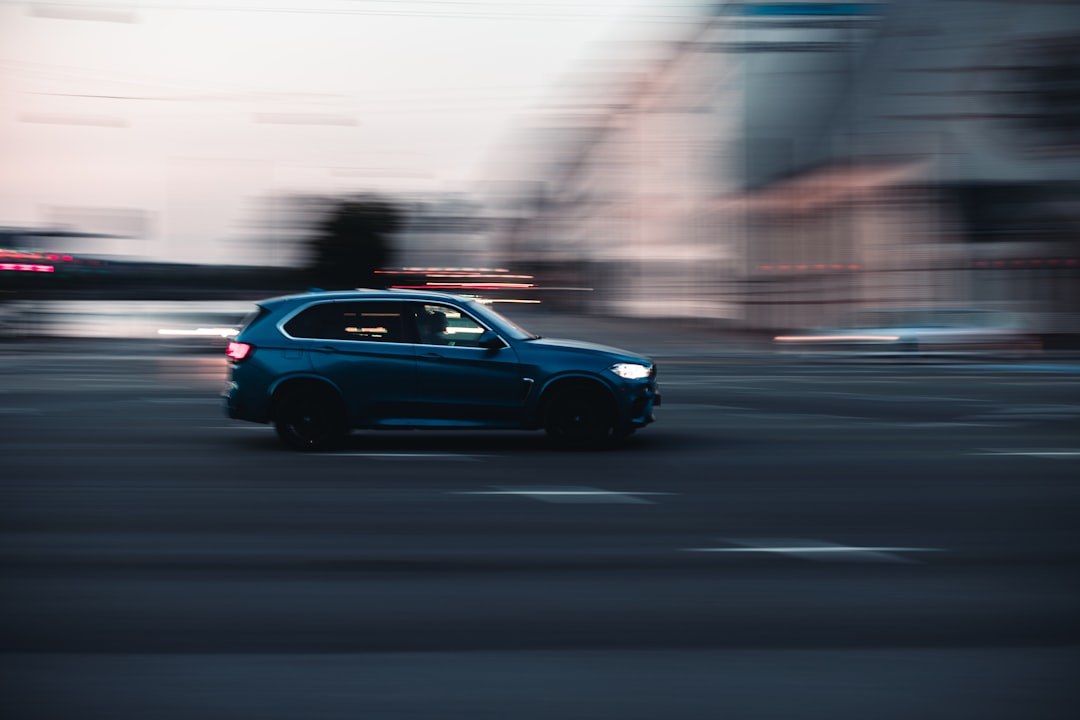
[(310, 420), (579, 418)]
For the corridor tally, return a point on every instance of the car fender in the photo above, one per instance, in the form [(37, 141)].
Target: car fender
[(536, 403), (292, 377)]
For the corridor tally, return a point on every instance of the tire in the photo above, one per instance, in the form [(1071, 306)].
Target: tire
[(310, 419), (579, 418)]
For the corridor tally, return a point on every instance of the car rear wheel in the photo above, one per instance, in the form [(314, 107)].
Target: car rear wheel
[(579, 418), (307, 419)]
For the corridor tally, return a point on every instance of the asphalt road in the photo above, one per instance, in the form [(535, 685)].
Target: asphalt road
[(789, 540)]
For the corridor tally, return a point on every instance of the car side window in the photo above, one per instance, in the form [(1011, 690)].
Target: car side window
[(370, 321), (307, 323), (446, 325)]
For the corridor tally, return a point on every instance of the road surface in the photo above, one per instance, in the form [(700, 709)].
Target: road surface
[(788, 540)]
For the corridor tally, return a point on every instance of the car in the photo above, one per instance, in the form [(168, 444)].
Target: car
[(918, 332), (319, 364)]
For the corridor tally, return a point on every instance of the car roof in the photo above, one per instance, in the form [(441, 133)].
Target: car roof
[(364, 294)]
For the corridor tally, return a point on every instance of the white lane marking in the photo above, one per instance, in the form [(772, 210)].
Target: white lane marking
[(1030, 453), (875, 396), (946, 424), (804, 416), (405, 456), (581, 495), (704, 406), (818, 550), (261, 428), (1043, 409), (184, 401)]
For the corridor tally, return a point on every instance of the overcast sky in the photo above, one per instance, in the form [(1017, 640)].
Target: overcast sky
[(188, 109)]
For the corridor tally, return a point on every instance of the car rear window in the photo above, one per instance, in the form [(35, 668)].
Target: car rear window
[(370, 321)]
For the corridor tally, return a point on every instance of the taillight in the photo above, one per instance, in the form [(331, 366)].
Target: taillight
[(238, 350)]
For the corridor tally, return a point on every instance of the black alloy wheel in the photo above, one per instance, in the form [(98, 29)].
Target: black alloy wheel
[(307, 420), (579, 418)]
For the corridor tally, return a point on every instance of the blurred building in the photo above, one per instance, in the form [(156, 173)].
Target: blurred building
[(623, 174), (786, 162), (443, 230), (944, 172), (97, 232)]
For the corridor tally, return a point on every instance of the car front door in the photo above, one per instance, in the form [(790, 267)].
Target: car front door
[(462, 382)]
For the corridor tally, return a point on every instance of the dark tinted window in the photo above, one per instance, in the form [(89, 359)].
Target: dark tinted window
[(367, 320), (308, 324)]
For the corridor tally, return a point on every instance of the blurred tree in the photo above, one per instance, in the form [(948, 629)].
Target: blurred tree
[(354, 241)]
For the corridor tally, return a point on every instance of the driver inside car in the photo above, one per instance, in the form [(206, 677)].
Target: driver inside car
[(431, 326)]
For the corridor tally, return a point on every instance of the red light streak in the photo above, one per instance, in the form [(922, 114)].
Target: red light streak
[(479, 275), (466, 286), (23, 267)]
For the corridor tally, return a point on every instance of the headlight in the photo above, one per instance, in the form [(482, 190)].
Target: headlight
[(631, 371)]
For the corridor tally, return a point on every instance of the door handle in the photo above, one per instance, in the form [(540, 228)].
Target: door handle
[(328, 349), (433, 355)]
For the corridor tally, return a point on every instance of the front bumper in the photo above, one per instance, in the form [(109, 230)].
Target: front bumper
[(643, 401)]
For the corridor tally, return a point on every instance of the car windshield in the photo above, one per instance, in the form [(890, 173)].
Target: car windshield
[(509, 326)]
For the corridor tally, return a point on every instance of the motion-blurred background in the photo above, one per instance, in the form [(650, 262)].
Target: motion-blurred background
[(762, 165), (707, 183)]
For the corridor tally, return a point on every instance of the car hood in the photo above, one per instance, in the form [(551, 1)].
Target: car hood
[(579, 346)]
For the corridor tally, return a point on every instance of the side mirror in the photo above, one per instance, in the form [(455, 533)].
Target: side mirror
[(488, 339)]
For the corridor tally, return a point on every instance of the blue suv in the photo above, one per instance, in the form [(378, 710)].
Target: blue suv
[(319, 364)]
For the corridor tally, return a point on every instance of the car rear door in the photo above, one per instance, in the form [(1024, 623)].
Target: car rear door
[(361, 346)]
